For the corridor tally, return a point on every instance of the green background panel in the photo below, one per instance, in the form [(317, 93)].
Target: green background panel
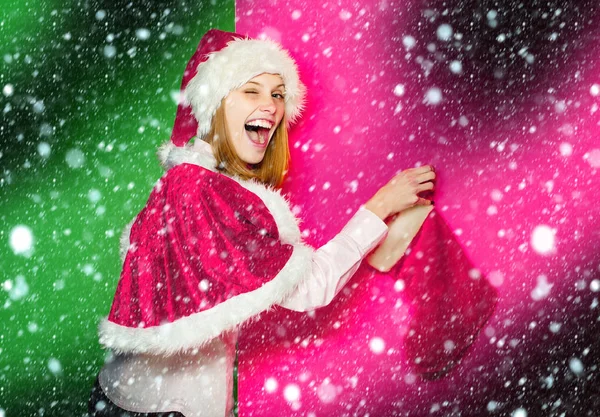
[(88, 94)]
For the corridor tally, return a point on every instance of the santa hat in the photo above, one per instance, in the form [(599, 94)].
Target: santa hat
[(223, 62)]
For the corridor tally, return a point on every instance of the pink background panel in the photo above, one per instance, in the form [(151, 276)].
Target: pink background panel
[(508, 112)]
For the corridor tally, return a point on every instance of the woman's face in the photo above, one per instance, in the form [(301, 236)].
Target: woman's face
[(252, 113)]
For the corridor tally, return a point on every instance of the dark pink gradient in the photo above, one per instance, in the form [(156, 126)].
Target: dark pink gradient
[(516, 142)]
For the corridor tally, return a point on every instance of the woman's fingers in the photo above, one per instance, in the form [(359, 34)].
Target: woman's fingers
[(403, 190), (414, 175), (425, 186), (421, 170), (426, 176), (423, 202)]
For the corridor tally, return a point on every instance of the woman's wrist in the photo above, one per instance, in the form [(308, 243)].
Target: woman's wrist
[(377, 207)]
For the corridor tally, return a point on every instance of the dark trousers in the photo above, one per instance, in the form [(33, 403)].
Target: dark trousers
[(101, 406)]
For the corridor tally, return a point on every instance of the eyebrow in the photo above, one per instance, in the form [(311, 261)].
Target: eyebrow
[(254, 82)]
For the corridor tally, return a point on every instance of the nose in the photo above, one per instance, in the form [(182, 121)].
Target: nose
[(267, 105)]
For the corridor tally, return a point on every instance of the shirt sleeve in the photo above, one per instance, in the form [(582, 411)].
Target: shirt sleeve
[(334, 263)]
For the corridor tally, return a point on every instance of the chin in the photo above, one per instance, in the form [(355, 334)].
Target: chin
[(254, 159)]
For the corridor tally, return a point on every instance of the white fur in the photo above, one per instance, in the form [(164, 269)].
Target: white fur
[(197, 329), (200, 154), (232, 67), (124, 240)]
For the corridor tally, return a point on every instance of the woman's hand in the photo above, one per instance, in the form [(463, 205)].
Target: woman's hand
[(402, 192)]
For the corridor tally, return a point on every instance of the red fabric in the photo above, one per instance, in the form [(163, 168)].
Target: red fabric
[(185, 125), (375, 330), (451, 300), (200, 240)]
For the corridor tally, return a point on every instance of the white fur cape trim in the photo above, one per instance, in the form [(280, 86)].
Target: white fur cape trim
[(233, 66), (194, 331)]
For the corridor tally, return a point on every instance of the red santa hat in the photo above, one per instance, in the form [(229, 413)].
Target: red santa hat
[(223, 62)]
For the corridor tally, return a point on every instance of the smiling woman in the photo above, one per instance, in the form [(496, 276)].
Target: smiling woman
[(253, 112), (217, 244), (247, 129)]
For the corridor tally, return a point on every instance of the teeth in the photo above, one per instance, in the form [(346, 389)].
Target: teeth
[(261, 123)]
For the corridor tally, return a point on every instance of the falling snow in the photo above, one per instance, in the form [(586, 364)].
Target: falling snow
[(110, 51), (75, 158), (377, 345), (576, 366), (502, 98), (399, 90), (566, 149), (44, 149), (542, 239), (433, 96), (519, 412), (8, 90), (444, 32), (271, 385), (593, 158), (142, 34), (21, 240), (291, 392), (17, 290), (327, 392), (456, 67), (409, 42), (542, 289), (54, 366)]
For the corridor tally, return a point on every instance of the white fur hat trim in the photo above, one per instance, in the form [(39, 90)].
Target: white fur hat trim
[(233, 66)]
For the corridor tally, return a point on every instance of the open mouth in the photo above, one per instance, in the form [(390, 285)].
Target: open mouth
[(258, 131)]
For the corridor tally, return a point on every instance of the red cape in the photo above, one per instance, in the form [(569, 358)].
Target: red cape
[(206, 254)]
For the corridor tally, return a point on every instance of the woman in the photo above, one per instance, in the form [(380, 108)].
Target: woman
[(216, 244)]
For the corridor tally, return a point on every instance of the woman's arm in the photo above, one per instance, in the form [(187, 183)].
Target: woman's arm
[(334, 263)]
